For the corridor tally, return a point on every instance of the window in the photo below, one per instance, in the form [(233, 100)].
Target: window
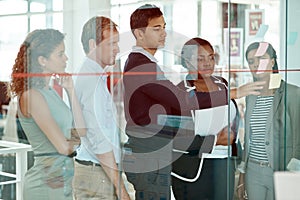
[(17, 21)]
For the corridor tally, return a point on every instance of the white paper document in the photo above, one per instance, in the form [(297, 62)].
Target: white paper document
[(211, 121), (220, 151)]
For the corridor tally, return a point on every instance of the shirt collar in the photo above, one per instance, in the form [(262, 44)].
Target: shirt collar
[(96, 68), (138, 49)]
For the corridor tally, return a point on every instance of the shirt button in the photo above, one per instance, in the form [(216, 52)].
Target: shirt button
[(267, 142)]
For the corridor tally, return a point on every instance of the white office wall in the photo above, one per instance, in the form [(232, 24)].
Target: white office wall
[(211, 24), (76, 13)]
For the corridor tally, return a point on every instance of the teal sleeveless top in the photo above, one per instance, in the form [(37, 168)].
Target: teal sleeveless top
[(51, 175), (62, 116)]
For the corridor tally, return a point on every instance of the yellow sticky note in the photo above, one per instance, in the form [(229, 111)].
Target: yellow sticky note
[(275, 80)]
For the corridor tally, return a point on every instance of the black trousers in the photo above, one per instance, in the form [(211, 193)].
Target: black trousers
[(148, 164), (213, 183)]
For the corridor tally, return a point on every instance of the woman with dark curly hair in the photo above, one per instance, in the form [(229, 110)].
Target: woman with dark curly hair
[(45, 118)]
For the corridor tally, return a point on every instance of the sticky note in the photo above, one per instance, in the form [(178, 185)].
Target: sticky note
[(262, 48), (262, 31), (275, 80), (263, 63), (292, 38)]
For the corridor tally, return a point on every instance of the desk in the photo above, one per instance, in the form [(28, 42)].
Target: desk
[(20, 150), (2, 124), (287, 185)]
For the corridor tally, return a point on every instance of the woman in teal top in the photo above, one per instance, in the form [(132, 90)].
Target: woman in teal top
[(45, 118)]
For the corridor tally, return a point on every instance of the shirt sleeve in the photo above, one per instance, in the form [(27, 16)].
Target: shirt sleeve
[(95, 139)]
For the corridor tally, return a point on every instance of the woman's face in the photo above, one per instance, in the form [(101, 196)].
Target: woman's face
[(205, 61), (260, 66), (57, 61)]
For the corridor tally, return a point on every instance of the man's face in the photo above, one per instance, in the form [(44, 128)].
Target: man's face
[(154, 35), (108, 49)]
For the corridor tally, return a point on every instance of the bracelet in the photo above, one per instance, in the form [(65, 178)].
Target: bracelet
[(239, 186), (71, 155)]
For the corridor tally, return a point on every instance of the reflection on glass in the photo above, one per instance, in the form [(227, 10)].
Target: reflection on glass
[(114, 2), (58, 5), (37, 7), (9, 7), (58, 21), (207, 19), (37, 21), (10, 40)]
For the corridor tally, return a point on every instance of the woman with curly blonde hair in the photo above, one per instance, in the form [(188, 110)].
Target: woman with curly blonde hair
[(45, 118)]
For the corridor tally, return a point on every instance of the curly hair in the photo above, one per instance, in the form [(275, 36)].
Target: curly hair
[(26, 72)]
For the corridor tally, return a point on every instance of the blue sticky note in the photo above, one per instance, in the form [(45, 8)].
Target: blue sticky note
[(292, 37), (262, 31)]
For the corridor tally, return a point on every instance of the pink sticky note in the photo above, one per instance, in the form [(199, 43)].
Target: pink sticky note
[(262, 48), (263, 63)]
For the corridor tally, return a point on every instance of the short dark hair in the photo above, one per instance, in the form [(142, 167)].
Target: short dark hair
[(94, 28), (139, 19), (185, 51), (270, 51)]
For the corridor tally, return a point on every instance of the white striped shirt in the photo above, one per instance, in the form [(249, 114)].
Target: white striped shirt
[(258, 126)]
